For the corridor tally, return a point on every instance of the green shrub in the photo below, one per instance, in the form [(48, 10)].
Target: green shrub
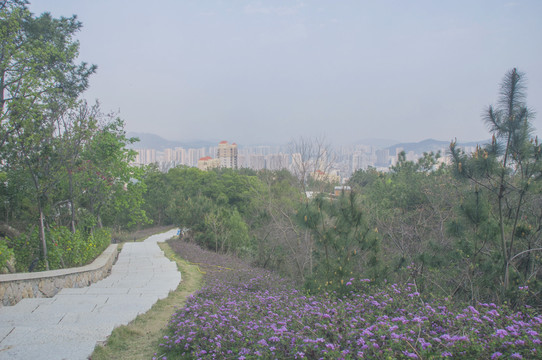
[(5, 253), (26, 249), (64, 248)]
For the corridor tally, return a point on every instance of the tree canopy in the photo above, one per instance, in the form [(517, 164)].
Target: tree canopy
[(63, 163)]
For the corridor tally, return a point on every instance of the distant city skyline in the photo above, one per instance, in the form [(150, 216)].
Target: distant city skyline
[(271, 71), (150, 140), (337, 163)]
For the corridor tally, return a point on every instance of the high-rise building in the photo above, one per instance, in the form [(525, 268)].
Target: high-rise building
[(227, 154), (277, 161), (256, 162), (150, 156), (193, 156), (180, 156), (207, 162), (383, 157), (169, 155), (145, 156)]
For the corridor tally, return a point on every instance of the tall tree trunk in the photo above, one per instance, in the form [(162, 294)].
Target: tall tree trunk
[(42, 236), (503, 245), (309, 242), (6, 206), (72, 205), (516, 219), (506, 256)]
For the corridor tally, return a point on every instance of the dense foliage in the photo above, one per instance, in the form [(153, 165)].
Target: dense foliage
[(212, 206), (64, 165), (66, 249), (244, 312), (504, 179), (467, 227)]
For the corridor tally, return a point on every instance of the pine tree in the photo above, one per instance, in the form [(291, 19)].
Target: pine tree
[(509, 168)]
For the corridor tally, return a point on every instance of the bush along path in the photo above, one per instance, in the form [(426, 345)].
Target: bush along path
[(248, 313), (68, 325)]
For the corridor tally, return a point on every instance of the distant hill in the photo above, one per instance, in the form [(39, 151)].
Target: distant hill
[(381, 143), (152, 141), (429, 145)]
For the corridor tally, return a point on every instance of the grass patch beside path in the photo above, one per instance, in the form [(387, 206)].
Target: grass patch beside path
[(140, 338)]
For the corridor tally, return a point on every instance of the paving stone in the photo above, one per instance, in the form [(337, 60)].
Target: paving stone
[(45, 344), (73, 291), (5, 329), (106, 291), (25, 305), (68, 325)]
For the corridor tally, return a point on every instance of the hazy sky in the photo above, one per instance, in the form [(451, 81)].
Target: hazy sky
[(268, 71)]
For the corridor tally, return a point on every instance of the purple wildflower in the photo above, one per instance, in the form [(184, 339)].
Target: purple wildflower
[(410, 355), (262, 342)]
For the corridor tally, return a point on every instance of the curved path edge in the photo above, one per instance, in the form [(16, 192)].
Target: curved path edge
[(68, 325), (15, 287)]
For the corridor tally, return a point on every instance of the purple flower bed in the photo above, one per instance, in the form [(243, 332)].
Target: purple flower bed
[(250, 313)]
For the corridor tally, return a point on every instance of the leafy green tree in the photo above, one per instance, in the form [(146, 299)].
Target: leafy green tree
[(125, 208), (190, 214), (217, 207), (113, 188), (237, 238), (188, 182), (158, 197), (77, 127), (364, 178), (34, 146), (38, 78), (37, 64), (16, 194), (227, 230), (214, 221)]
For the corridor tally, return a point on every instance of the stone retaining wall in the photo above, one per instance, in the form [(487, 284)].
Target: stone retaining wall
[(14, 287)]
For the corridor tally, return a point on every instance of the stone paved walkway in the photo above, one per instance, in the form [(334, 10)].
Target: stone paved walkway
[(69, 325)]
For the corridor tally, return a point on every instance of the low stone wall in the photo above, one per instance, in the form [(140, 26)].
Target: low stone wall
[(14, 287)]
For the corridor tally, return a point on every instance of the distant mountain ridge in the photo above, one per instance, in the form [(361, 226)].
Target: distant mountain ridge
[(153, 141), (429, 145), (381, 143)]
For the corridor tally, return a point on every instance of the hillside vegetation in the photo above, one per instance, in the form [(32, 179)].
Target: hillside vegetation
[(65, 178), (244, 312), (467, 231)]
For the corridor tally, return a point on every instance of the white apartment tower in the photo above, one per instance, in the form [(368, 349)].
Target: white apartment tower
[(227, 154)]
